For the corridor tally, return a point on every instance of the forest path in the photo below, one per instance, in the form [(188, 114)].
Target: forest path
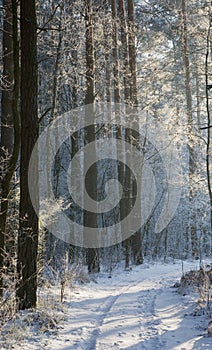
[(132, 310), (131, 320)]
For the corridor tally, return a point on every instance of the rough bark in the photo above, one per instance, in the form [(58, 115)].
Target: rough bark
[(8, 77), (136, 238), (28, 226), (9, 109), (90, 220)]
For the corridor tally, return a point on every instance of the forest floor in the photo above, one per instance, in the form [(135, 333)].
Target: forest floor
[(138, 309)]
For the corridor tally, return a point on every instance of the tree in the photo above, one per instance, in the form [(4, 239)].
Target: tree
[(6, 140), (136, 238), (10, 125), (90, 220), (115, 54), (191, 148), (132, 53), (28, 226), (208, 145), (8, 76)]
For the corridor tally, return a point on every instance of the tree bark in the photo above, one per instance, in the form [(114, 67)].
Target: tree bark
[(136, 238), (9, 109), (191, 150), (132, 54), (124, 50), (115, 53), (90, 220), (28, 225), (8, 77), (208, 147)]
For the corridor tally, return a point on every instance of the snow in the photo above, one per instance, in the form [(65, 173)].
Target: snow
[(131, 310)]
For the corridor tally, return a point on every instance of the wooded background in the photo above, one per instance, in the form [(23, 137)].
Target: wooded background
[(59, 55)]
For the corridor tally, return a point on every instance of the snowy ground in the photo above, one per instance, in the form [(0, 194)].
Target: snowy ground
[(131, 310)]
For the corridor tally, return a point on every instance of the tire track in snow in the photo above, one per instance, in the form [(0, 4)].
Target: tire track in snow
[(132, 319), (92, 343), (134, 311), (118, 319), (105, 308), (115, 312), (149, 320)]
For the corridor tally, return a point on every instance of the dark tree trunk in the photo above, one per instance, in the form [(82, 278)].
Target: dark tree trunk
[(115, 53), (124, 72), (132, 54), (136, 238), (28, 227), (90, 220), (8, 77), (10, 137), (6, 139), (116, 74)]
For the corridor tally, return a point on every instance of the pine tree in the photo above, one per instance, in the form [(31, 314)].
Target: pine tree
[(28, 227), (90, 219)]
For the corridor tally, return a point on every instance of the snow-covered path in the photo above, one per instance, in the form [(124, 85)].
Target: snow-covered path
[(131, 310)]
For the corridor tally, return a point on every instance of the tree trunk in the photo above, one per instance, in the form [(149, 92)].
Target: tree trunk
[(132, 54), (8, 77), (191, 150), (28, 225), (208, 147), (124, 70), (6, 139), (136, 238), (115, 53), (90, 220), (9, 109), (119, 131), (124, 50)]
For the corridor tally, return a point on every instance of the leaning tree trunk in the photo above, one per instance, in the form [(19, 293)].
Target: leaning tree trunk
[(28, 226), (90, 220)]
